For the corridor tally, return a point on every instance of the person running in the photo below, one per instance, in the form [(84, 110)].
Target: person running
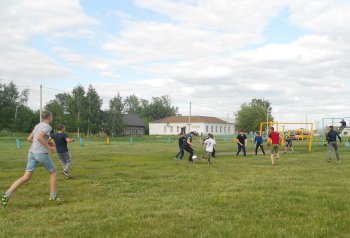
[(332, 143), (61, 140), (181, 149), (241, 143), (258, 141), (38, 153), (214, 151), (188, 145), (209, 147), (274, 143), (289, 145)]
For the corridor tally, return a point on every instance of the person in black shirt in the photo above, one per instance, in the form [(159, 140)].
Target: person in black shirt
[(343, 125), (332, 143), (241, 143), (188, 145), (181, 149), (61, 139)]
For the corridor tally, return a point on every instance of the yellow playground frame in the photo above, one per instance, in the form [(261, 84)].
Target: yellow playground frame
[(277, 124)]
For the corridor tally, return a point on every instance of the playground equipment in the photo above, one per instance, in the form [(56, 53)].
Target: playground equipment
[(299, 134), (329, 121)]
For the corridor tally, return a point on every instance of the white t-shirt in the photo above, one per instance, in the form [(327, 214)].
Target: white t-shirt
[(37, 147), (209, 145)]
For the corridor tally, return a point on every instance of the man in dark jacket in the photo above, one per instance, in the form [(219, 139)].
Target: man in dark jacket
[(332, 143)]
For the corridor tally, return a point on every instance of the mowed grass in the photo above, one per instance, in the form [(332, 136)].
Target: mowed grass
[(139, 190)]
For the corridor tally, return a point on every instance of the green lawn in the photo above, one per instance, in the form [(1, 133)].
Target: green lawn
[(138, 190)]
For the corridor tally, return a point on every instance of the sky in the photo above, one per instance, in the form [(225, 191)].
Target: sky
[(216, 54)]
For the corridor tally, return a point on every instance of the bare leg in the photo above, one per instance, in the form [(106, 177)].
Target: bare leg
[(19, 182), (273, 159), (53, 182)]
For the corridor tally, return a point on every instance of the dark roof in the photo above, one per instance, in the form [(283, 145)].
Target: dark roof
[(194, 119), (133, 120)]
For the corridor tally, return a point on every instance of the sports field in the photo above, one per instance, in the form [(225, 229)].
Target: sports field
[(139, 190)]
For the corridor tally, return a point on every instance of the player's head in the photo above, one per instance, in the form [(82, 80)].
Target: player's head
[(241, 132), (192, 133), (181, 134), (258, 133), (60, 127), (210, 135), (46, 116), (342, 120), (272, 129), (330, 128)]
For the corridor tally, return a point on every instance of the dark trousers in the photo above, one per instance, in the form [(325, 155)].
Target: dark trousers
[(213, 154), (240, 147), (257, 147), (189, 150), (181, 152)]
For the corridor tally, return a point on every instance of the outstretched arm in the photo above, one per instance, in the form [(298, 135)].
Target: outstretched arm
[(69, 140), (30, 137), (339, 137)]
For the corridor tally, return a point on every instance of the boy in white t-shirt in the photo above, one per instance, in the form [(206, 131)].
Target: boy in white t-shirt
[(209, 147)]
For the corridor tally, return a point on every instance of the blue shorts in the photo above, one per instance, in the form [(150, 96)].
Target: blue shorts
[(35, 159)]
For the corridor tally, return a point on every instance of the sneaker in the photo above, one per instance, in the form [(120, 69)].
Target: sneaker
[(51, 199), (66, 174), (329, 160), (175, 158), (4, 200)]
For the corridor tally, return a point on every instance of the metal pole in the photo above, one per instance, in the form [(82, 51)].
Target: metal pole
[(323, 131), (311, 138), (41, 101)]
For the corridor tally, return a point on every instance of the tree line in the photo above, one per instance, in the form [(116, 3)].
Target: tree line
[(80, 110)]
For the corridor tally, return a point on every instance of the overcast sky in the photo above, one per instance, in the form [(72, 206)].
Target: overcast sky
[(216, 53)]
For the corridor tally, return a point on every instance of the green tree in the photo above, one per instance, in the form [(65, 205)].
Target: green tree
[(250, 115), (94, 103), (115, 116), (158, 108), (11, 102), (77, 104), (132, 105)]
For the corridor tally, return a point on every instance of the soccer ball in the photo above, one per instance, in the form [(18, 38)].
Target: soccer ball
[(194, 157)]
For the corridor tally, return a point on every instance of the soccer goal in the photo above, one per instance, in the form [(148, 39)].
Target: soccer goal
[(299, 134), (339, 123)]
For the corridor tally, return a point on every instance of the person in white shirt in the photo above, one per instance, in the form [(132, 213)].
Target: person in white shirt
[(209, 148)]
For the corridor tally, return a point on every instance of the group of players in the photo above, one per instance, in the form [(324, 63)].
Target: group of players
[(42, 142), (185, 144), (41, 139), (274, 141)]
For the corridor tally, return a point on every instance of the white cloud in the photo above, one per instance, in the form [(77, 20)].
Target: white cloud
[(22, 20), (202, 52)]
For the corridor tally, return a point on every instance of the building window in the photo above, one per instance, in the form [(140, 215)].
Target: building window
[(164, 129), (212, 129), (136, 132), (171, 129), (225, 129), (207, 129), (178, 129), (216, 128), (229, 129), (220, 129)]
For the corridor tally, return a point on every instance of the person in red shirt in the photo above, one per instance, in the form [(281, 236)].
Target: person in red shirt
[(275, 144)]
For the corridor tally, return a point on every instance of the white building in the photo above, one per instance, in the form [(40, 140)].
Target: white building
[(203, 125)]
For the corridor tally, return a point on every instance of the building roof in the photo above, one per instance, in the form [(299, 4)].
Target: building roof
[(133, 120), (194, 119)]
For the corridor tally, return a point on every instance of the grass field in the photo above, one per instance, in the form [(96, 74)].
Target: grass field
[(139, 190)]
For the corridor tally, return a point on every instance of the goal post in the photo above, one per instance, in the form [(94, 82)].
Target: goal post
[(277, 124)]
